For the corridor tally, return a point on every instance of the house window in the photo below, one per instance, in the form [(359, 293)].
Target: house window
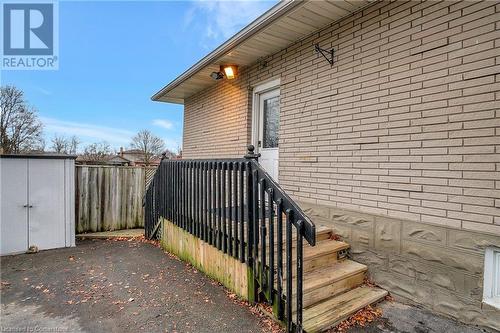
[(271, 122), (491, 294)]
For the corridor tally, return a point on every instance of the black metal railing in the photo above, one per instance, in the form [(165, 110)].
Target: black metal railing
[(237, 207)]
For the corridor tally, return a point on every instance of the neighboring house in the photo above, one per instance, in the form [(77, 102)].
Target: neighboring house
[(396, 144), (133, 157), (110, 160), (137, 157)]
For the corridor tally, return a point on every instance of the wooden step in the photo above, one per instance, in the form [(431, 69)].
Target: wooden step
[(331, 280), (323, 254), (322, 233), (329, 313)]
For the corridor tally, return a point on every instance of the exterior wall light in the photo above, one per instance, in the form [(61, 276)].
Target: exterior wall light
[(230, 71), (217, 76)]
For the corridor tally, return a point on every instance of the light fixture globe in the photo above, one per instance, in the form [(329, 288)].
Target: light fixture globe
[(230, 71)]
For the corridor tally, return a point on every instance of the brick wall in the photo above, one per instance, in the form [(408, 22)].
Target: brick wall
[(216, 122), (405, 124)]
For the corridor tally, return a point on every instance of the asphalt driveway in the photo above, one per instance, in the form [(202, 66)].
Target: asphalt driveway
[(115, 286), (132, 286)]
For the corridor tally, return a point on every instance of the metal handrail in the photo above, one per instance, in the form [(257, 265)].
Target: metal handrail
[(236, 206)]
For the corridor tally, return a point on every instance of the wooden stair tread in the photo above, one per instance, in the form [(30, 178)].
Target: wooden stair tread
[(321, 248), (328, 275), (322, 233), (324, 283), (331, 274), (326, 246), (332, 311)]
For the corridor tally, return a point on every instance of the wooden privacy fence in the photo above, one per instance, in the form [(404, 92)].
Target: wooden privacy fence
[(110, 197)]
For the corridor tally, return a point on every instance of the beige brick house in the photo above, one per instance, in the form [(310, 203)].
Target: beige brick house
[(397, 144)]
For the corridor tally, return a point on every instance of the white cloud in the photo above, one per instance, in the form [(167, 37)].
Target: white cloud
[(43, 91), (88, 133), (166, 124), (222, 19)]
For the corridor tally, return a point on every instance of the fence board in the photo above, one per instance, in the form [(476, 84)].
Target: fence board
[(109, 197)]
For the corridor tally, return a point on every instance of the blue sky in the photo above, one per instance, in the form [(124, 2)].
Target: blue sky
[(115, 54)]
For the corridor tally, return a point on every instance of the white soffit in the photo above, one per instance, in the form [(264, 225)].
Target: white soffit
[(282, 25)]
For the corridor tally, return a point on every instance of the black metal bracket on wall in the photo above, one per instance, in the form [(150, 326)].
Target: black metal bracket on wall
[(327, 54)]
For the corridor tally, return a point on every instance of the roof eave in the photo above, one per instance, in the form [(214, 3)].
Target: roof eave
[(258, 24)]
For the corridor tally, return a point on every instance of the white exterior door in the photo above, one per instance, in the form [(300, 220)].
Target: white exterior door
[(268, 131), (47, 227), (13, 205)]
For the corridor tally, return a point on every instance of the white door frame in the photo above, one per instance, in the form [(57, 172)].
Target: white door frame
[(258, 91)]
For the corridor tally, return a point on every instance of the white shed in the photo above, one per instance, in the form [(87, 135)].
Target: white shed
[(37, 202)]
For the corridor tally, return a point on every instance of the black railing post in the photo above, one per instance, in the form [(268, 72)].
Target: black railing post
[(251, 155), (249, 191), (209, 202), (230, 209), (255, 214), (289, 277), (223, 207), (241, 198), (279, 284), (235, 210), (262, 230), (300, 231), (205, 198), (270, 278), (219, 206), (216, 200)]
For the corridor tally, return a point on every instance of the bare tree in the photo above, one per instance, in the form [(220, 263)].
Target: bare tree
[(20, 128), (64, 145), (97, 151), (149, 144), (59, 144), (74, 142)]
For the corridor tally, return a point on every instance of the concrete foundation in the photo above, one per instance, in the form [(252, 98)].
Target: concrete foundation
[(436, 267)]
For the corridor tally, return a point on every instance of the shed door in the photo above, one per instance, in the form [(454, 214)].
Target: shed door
[(13, 205), (269, 125), (47, 227)]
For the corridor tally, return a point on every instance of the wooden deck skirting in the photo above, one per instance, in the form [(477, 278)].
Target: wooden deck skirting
[(227, 270)]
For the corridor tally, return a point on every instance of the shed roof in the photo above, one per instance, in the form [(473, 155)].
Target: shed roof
[(282, 25), (39, 155)]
